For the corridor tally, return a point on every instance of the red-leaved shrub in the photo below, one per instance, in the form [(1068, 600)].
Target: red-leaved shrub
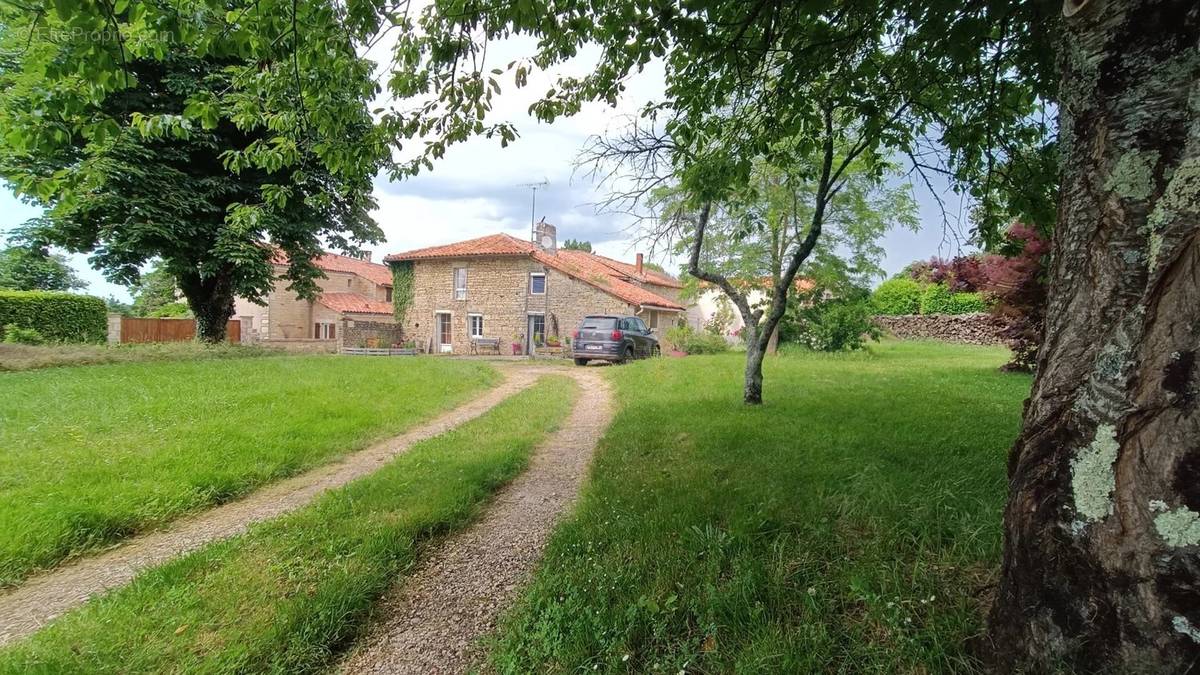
[(961, 274), (1018, 283)]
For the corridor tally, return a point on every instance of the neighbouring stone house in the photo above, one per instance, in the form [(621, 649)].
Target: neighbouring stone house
[(501, 287), (356, 298)]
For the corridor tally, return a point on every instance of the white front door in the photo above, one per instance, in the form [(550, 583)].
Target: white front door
[(443, 334)]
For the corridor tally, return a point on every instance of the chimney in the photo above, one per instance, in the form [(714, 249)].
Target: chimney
[(639, 264), (545, 236)]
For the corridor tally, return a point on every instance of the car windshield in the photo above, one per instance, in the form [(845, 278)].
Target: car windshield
[(599, 323)]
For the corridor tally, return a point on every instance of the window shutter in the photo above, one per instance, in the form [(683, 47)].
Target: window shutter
[(333, 331), (316, 331)]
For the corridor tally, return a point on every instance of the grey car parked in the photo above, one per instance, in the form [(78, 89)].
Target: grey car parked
[(618, 339)]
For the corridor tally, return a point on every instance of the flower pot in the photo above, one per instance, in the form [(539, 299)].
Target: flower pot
[(516, 348)]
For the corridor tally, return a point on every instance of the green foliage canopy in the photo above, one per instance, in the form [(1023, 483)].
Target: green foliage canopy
[(959, 90), (149, 130), (28, 265), (33, 269), (577, 245), (154, 289)]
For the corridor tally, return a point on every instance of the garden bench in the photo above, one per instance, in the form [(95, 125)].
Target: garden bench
[(485, 343)]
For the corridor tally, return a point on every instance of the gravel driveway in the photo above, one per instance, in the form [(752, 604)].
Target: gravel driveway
[(432, 621)]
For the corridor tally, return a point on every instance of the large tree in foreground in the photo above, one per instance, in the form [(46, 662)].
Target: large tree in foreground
[(1102, 528), (127, 177)]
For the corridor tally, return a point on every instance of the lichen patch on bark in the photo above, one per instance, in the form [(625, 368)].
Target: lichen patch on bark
[(1092, 478), (1182, 625), (1179, 527), (1133, 176)]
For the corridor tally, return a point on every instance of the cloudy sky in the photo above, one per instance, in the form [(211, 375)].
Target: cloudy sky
[(478, 187)]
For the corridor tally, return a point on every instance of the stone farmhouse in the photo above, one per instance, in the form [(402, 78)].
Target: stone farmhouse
[(355, 293), (518, 292)]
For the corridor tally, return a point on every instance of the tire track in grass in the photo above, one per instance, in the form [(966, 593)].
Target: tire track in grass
[(433, 620), (43, 597)]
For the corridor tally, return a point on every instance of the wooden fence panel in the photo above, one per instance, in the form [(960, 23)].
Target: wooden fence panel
[(169, 330)]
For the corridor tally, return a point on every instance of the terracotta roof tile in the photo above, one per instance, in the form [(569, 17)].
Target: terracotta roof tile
[(333, 262), (375, 272), (353, 303), (648, 275), (603, 273), (493, 244), (590, 269)]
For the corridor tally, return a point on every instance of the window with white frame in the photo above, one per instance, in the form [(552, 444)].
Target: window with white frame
[(537, 283), (475, 325), (324, 331), (460, 283)]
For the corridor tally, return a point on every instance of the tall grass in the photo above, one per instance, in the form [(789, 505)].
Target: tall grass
[(851, 524), (288, 594), (31, 357), (91, 455)]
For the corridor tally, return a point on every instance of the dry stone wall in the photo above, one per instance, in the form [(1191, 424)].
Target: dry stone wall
[(975, 329)]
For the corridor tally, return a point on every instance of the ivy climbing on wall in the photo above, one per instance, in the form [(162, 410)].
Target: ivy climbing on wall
[(402, 288)]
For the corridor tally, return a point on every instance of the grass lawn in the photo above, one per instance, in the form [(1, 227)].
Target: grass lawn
[(90, 455), (30, 357), (851, 524), (286, 595)]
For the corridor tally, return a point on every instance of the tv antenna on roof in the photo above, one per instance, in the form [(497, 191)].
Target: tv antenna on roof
[(533, 204)]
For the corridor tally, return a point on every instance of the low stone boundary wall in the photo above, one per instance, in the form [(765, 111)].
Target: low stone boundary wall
[(975, 329), (302, 345), (369, 334)]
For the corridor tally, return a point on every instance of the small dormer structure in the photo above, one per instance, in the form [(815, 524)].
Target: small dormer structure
[(545, 236)]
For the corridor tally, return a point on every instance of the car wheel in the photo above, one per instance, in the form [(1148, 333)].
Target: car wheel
[(581, 362), (627, 356)]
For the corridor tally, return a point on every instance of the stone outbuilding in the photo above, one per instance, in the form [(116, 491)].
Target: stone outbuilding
[(355, 293)]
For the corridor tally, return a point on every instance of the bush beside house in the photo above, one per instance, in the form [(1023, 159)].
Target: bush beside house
[(686, 339), (56, 317)]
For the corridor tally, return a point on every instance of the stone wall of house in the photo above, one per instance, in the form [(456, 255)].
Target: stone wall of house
[(360, 332), (976, 329), (498, 289), (572, 299)]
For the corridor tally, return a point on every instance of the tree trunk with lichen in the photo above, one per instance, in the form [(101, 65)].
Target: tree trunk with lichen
[(1102, 529)]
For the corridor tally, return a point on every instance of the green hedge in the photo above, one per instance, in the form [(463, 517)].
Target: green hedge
[(897, 297), (58, 317), (936, 299), (903, 296), (968, 303)]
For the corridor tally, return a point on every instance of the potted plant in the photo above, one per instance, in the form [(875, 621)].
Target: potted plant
[(552, 341), (516, 343)]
